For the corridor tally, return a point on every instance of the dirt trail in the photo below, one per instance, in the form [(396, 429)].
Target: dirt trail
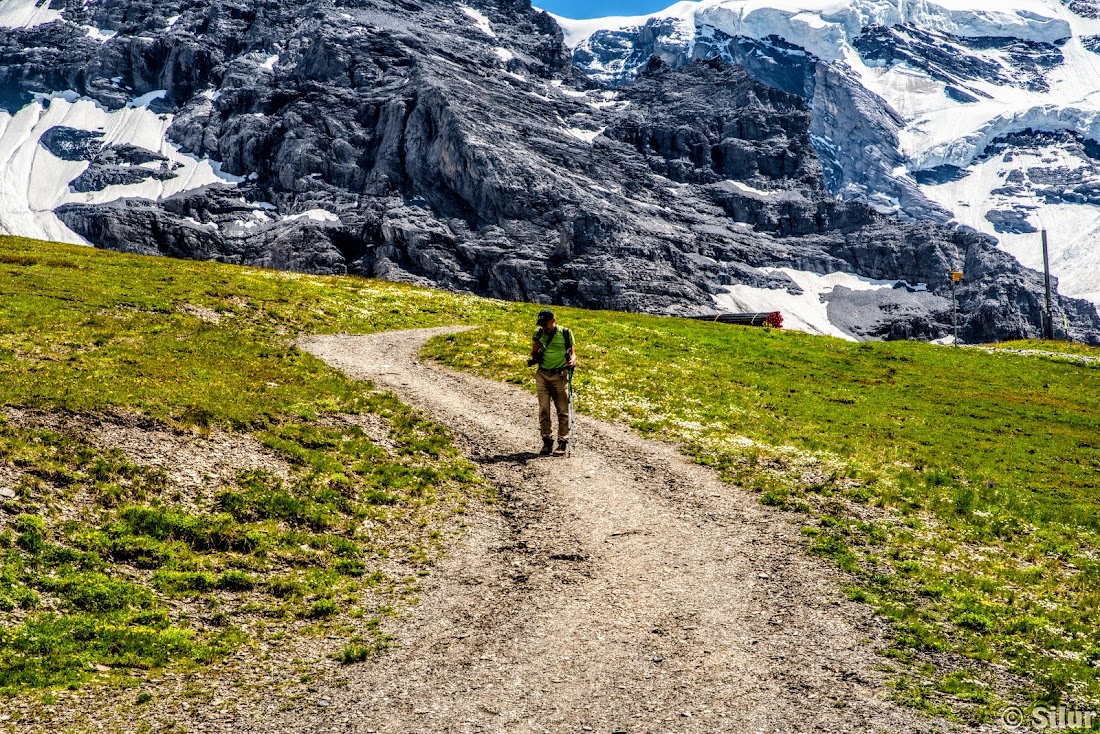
[(624, 589)]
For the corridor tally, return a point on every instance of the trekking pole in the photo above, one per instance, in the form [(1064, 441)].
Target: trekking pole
[(572, 422)]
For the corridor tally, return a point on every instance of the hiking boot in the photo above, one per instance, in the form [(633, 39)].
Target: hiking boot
[(563, 444), (547, 446)]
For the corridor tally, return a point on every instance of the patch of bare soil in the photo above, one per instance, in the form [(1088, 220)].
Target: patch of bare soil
[(196, 465), (201, 312)]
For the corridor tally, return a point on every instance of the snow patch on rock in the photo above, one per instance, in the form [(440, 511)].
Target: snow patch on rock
[(807, 311), (480, 19), (35, 182), (743, 188), (586, 135), (316, 215), (99, 34), (26, 13), (148, 98)]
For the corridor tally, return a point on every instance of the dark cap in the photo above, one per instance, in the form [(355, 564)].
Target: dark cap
[(544, 317)]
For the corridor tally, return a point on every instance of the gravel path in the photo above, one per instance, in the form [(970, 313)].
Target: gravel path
[(624, 589)]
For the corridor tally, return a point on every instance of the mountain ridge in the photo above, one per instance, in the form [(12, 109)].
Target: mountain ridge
[(457, 145)]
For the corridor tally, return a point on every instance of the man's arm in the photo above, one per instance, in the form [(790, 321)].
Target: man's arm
[(536, 346), (572, 355)]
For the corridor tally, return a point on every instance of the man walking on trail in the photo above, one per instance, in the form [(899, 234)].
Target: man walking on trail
[(554, 352)]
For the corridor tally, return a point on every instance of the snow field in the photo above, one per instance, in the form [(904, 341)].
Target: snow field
[(26, 13), (35, 182), (807, 312)]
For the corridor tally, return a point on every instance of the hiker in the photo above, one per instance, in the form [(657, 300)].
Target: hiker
[(555, 354)]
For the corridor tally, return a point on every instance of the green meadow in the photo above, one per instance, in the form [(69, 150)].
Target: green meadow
[(106, 570), (954, 488)]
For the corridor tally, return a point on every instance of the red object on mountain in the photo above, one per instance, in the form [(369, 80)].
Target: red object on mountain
[(774, 320)]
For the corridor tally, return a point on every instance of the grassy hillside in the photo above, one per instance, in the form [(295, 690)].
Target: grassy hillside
[(956, 487), (107, 568)]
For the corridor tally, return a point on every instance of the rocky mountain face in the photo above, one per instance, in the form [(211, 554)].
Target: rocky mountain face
[(917, 108), (459, 146), (858, 164)]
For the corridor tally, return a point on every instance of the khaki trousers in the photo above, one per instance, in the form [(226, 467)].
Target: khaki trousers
[(553, 387)]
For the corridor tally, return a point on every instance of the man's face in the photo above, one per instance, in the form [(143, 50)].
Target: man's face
[(550, 325)]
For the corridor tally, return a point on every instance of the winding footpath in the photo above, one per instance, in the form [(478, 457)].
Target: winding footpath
[(624, 589)]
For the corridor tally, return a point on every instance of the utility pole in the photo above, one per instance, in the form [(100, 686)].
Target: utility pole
[(956, 276), (1048, 320)]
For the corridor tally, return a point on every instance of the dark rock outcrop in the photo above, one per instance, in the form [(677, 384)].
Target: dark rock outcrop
[(854, 132), (1013, 221), (1023, 63), (70, 144), (108, 165)]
